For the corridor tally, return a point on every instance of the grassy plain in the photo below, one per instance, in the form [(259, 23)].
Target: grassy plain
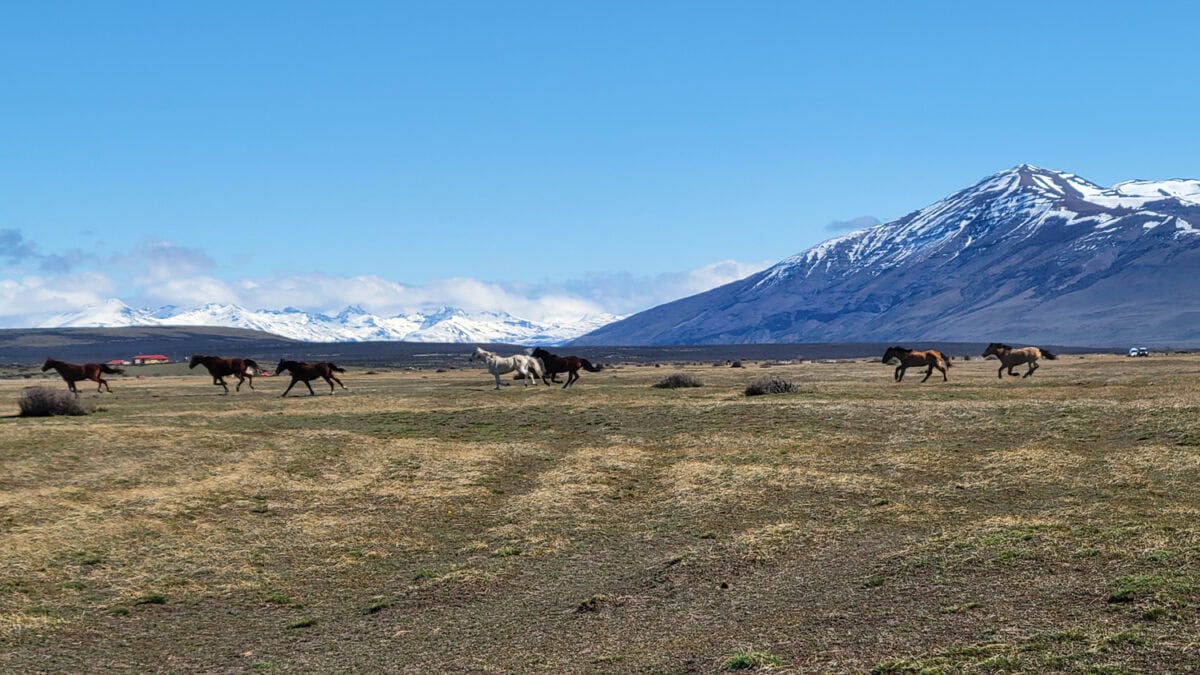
[(426, 523)]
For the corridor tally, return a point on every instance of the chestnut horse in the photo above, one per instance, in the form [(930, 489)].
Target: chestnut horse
[(1010, 357), (304, 372), (914, 359), (219, 368), (555, 364), (73, 372)]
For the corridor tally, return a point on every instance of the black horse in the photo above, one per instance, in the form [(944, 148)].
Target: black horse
[(563, 364)]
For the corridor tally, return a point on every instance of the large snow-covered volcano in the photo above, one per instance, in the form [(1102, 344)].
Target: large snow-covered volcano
[(1027, 254)]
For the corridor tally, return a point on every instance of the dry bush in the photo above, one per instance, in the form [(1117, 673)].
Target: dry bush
[(46, 402), (736, 364), (678, 381), (771, 384)]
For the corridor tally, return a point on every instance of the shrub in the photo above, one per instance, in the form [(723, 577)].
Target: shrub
[(679, 381), (45, 402), (771, 384), (736, 364)]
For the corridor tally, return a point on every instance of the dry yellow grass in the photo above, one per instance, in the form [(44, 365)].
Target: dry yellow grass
[(423, 522)]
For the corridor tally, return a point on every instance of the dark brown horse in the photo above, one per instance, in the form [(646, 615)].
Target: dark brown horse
[(914, 359), (220, 368), (570, 365), (304, 372), (74, 372), (1010, 357)]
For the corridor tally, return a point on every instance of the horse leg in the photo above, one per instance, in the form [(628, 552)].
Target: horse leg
[(285, 391), (928, 372), (313, 393), (496, 374), (335, 379), (1032, 367), (900, 372), (944, 378), (249, 381), (101, 384), (572, 375), (221, 381)]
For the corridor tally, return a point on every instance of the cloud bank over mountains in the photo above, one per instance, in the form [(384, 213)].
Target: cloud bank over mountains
[(35, 285)]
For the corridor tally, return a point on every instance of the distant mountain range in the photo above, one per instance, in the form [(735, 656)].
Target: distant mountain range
[(1025, 255), (352, 324)]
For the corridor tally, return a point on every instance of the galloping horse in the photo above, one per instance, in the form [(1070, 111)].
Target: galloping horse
[(219, 368), (913, 359), (498, 365), (1010, 357), (570, 365), (304, 372), (73, 372)]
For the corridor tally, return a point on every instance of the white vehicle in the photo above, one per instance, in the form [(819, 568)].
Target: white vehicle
[(1139, 351)]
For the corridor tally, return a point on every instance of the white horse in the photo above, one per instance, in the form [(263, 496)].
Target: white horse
[(498, 365)]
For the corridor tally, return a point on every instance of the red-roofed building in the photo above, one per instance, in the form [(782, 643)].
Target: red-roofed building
[(145, 359), (118, 362)]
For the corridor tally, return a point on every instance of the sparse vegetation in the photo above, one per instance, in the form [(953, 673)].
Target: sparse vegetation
[(471, 531), (771, 384), (748, 659), (678, 381), (47, 402)]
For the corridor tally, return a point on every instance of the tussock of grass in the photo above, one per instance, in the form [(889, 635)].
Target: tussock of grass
[(771, 384), (47, 402), (678, 381)]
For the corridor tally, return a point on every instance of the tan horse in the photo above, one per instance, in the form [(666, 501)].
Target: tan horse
[(1010, 357), (914, 359)]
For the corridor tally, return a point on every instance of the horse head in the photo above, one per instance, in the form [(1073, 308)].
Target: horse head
[(541, 353), (894, 353), (480, 354), (197, 359), (48, 365), (284, 364), (994, 349)]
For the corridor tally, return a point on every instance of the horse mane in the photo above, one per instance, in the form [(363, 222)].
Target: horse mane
[(899, 348), (1001, 345)]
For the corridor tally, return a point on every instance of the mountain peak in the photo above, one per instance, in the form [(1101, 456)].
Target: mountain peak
[(1028, 251)]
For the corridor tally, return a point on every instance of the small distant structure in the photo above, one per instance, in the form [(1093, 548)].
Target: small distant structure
[(118, 362), (1139, 351), (147, 359)]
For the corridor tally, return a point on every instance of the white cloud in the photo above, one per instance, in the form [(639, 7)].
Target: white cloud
[(858, 223), (161, 273), (34, 296)]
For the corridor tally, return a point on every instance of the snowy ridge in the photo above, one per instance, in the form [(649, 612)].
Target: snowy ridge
[(352, 324), (1024, 198)]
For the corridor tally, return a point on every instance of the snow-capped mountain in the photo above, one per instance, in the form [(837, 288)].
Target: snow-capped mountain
[(1027, 254), (352, 324)]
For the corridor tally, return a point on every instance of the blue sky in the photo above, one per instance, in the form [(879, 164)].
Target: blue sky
[(598, 157)]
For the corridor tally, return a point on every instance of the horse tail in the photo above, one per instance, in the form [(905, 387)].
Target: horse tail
[(587, 365), (334, 368), (1046, 353), (105, 368), (251, 364), (943, 358)]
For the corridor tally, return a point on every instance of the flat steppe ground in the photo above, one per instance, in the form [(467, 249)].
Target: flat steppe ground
[(424, 522)]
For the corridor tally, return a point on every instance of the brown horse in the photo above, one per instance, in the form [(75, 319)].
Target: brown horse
[(219, 368), (304, 372), (1010, 357), (570, 365), (74, 372), (914, 359)]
